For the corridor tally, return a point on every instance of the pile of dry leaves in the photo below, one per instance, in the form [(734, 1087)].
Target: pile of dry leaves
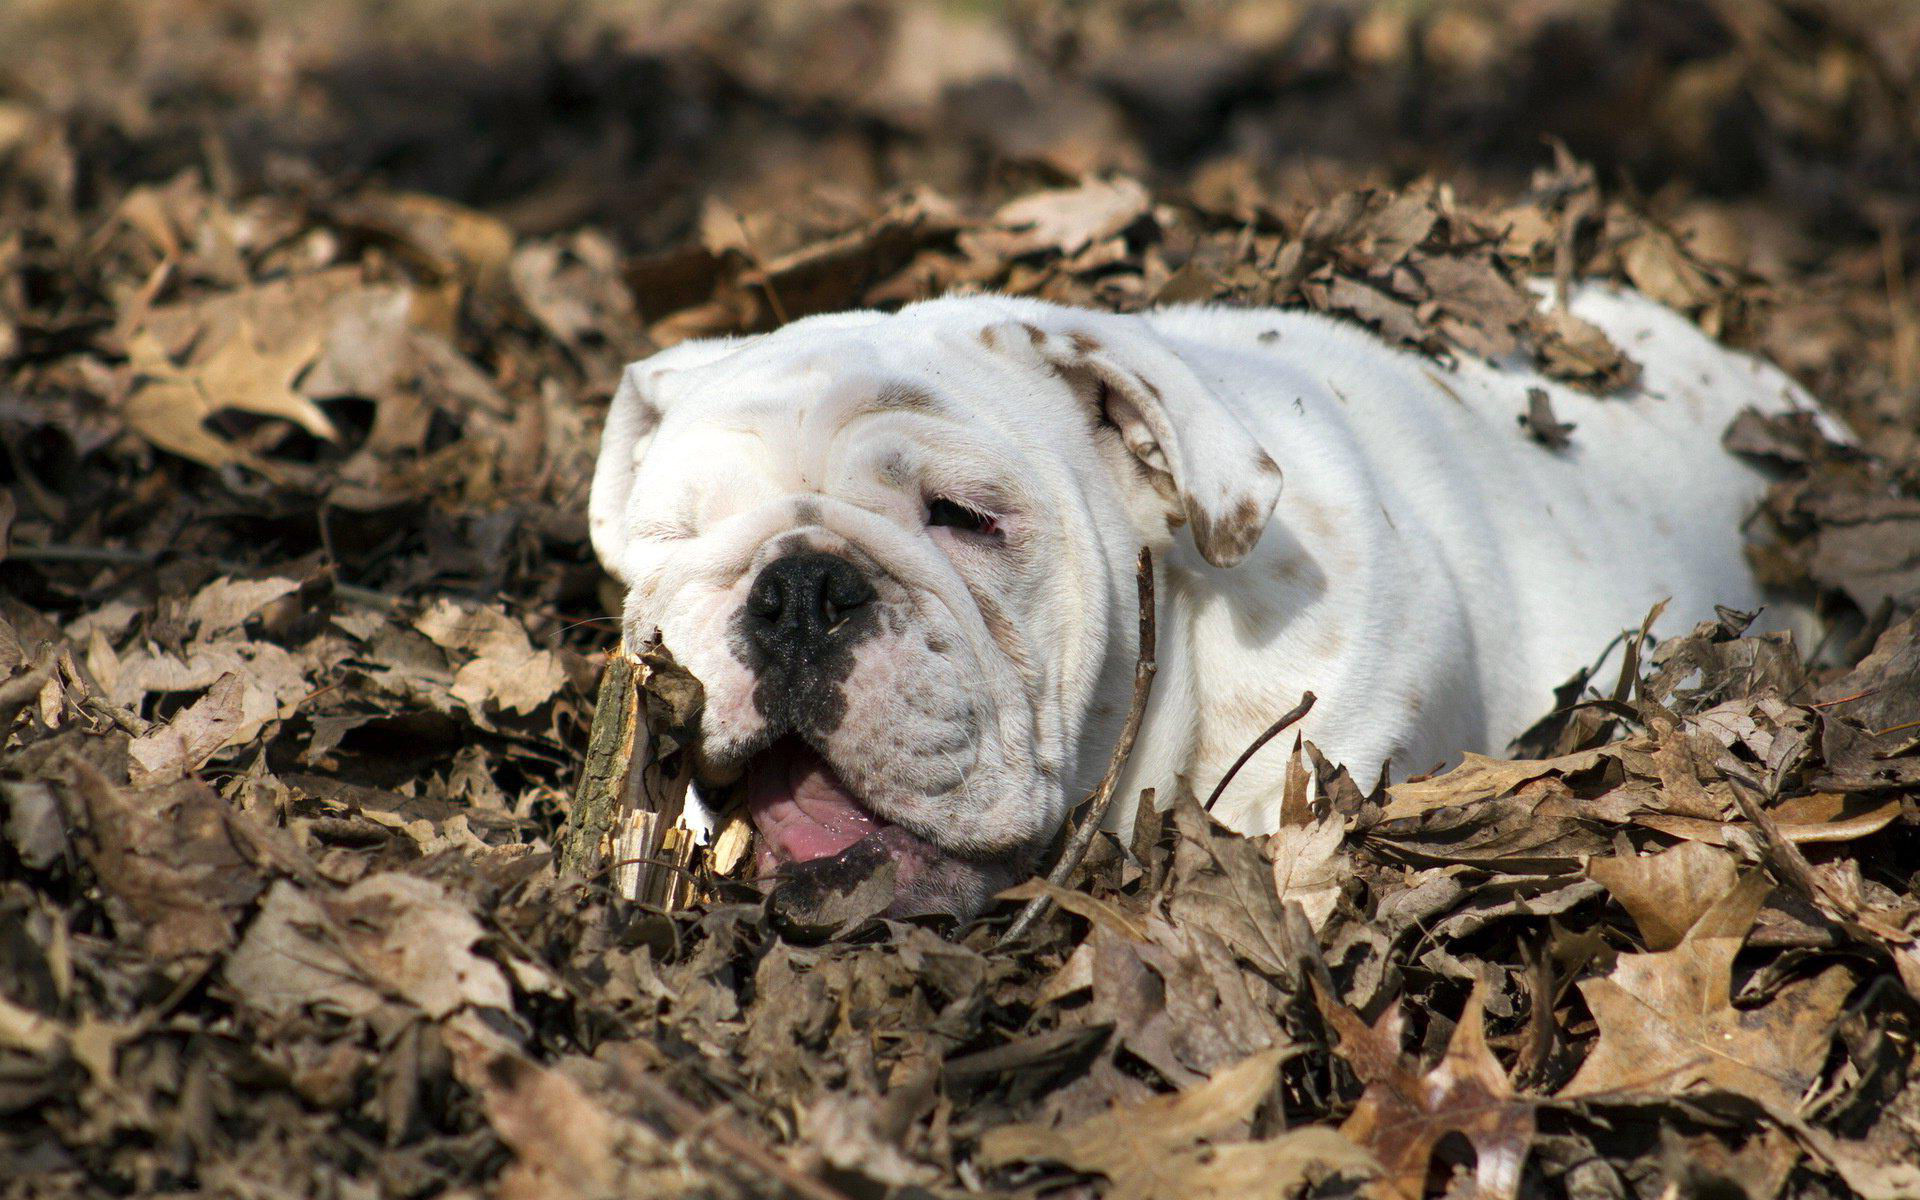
[(308, 316)]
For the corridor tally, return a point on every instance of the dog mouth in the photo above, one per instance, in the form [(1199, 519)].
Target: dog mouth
[(805, 818)]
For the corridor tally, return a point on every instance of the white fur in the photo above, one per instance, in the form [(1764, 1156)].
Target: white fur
[(1429, 571)]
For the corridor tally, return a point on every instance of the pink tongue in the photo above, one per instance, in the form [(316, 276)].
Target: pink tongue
[(801, 809)]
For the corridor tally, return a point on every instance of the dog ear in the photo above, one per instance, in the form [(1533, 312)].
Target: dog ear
[(639, 405), (1196, 452)]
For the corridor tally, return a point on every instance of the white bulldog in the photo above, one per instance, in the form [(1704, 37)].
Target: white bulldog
[(898, 551)]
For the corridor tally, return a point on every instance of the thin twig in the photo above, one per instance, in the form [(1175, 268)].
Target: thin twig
[(1102, 798), (1273, 731), (1872, 691), (760, 268)]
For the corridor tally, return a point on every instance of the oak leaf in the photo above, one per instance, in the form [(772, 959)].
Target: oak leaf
[(171, 408), (1403, 1114)]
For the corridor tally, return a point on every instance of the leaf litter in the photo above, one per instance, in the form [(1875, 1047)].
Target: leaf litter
[(306, 330)]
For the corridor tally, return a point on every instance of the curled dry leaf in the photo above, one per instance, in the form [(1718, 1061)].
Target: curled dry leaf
[(227, 603), (389, 935), (174, 404), (1309, 867), (1540, 423), (1067, 220), (178, 748)]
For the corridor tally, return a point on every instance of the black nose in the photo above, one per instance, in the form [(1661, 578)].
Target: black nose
[(797, 603)]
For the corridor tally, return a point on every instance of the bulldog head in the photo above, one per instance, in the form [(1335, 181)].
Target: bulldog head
[(898, 553)]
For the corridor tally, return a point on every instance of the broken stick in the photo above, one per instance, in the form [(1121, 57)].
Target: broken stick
[(629, 811)]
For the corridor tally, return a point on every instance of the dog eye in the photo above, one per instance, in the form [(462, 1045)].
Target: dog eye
[(944, 512)]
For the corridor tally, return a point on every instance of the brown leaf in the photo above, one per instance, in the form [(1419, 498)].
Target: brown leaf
[(1657, 265), (1668, 1026), (1540, 423), (168, 858), (1404, 1112), (1181, 1146), (566, 1144), (1393, 319), (226, 603), (1179, 1001), (505, 670), (172, 407), (1667, 892), (272, 680), (1577, 351), (1067, 220), (1092, 908), (445, 238), (1480, 778), (178, 748), (573, 286), (1310, 867), (389, 935), (1222, 882)]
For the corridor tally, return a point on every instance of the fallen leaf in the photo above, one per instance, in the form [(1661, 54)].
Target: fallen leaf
[(180, 747), (172, 407), (387, 935), (1576, 350), (1223, 883), (1668, 1026), (1404, 1113), (1309, 868), (1067, 220), (504, 670), (1667, 892), (1180, 1146), (1093, 909), (1479, 778), (226, 603), (169, 861), (1540, 423)]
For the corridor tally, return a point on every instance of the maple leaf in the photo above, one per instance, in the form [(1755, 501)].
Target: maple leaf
[(1403, 1113), (1668, 1026)]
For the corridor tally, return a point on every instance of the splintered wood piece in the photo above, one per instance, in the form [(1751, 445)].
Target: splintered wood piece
[(629, 812), (603, 776), (731, 844)]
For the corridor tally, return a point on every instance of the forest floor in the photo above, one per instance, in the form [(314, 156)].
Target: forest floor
[(309, 314)]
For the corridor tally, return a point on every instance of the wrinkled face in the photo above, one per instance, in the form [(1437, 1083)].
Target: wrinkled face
[(894, 591), (898, 554)]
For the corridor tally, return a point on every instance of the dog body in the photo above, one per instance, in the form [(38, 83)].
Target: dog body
[(898, 551)]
